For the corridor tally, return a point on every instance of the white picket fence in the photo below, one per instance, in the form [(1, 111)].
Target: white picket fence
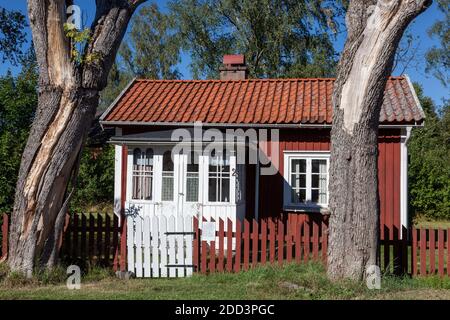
[(159, 246)]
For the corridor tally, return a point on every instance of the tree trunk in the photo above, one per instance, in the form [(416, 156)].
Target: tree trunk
[(68, 98), (374, 29)]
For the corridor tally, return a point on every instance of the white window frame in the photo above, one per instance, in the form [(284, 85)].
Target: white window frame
[(157, 167), (232, 183), (308, 156), (157, 178), (130, 176)]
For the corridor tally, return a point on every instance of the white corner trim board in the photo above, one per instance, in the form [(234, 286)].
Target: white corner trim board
[(404, 178)]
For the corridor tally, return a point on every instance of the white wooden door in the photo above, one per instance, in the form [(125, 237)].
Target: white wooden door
[(190, 186), (169, 182)]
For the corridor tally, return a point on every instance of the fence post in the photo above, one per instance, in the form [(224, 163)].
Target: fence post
[(404, 250), (196, 243), (423, 252), (441, 252), (324, 243), (123, 244), (221, 245), (237, 261), (432, 246), (414, 252), (115, 243)]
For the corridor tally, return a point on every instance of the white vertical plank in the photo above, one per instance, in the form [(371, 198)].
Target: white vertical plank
[(155, 247), (138, 241), (130, 244), (117, 180), (146, 235), (163, 244), (172, 259), (188, 227), (180, 246)]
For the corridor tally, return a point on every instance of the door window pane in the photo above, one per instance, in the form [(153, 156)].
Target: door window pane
[(167, 177), (219, 178), (192, 177)]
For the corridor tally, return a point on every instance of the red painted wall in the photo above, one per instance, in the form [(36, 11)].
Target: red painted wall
[(271, 187)]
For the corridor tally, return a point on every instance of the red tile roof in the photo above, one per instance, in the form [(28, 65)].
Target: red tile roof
[(252, 101)]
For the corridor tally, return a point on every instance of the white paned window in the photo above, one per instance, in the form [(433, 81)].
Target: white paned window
[(192, 177), (142, 174), (167, 177), (219, 175), (306, 179)]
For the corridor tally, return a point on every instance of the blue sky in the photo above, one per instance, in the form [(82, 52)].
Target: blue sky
[(432, 87)]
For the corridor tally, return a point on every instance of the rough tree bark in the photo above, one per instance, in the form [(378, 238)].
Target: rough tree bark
[(374, 30), (68, 98)]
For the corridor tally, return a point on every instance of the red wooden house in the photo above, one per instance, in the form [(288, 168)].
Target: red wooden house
[(154, 177)]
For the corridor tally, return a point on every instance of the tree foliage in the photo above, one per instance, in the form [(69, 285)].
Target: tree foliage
[(438, 57), (151, 49), (429, 166), (18, 99), (95, 182), (12, 36), (278, 38)]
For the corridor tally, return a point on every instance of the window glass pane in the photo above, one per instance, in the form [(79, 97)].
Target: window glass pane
[(212, 190), (319, 166), (298, 166), (142, 180), (298, 180), (225, 196), (149, 157), (192, 187), (167, 187), (315, 181), (192, 177), (315, 195), (167, 161), (192, 165), (136, 156), (298, 196)]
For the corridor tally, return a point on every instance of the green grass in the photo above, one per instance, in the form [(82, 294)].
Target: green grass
[(291, 281), (423, 222)]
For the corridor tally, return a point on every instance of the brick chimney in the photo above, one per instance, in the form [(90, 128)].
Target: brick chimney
[(233, 67)]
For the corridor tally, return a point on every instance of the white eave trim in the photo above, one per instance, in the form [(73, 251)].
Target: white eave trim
[(243, 125), (414, 94)]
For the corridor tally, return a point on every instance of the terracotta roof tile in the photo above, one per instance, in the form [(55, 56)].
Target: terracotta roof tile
[(262, 101)]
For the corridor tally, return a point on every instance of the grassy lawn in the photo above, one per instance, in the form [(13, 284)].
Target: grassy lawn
[(289, 282), (423, 222)]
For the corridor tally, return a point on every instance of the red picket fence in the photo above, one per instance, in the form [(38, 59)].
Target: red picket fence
[(394, 251), (95, 239), (91, 239), (4, 233), (430, 252), (257, 243)]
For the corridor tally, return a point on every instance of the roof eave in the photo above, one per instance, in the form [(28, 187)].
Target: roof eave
[(416, 98), (246, 125)]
